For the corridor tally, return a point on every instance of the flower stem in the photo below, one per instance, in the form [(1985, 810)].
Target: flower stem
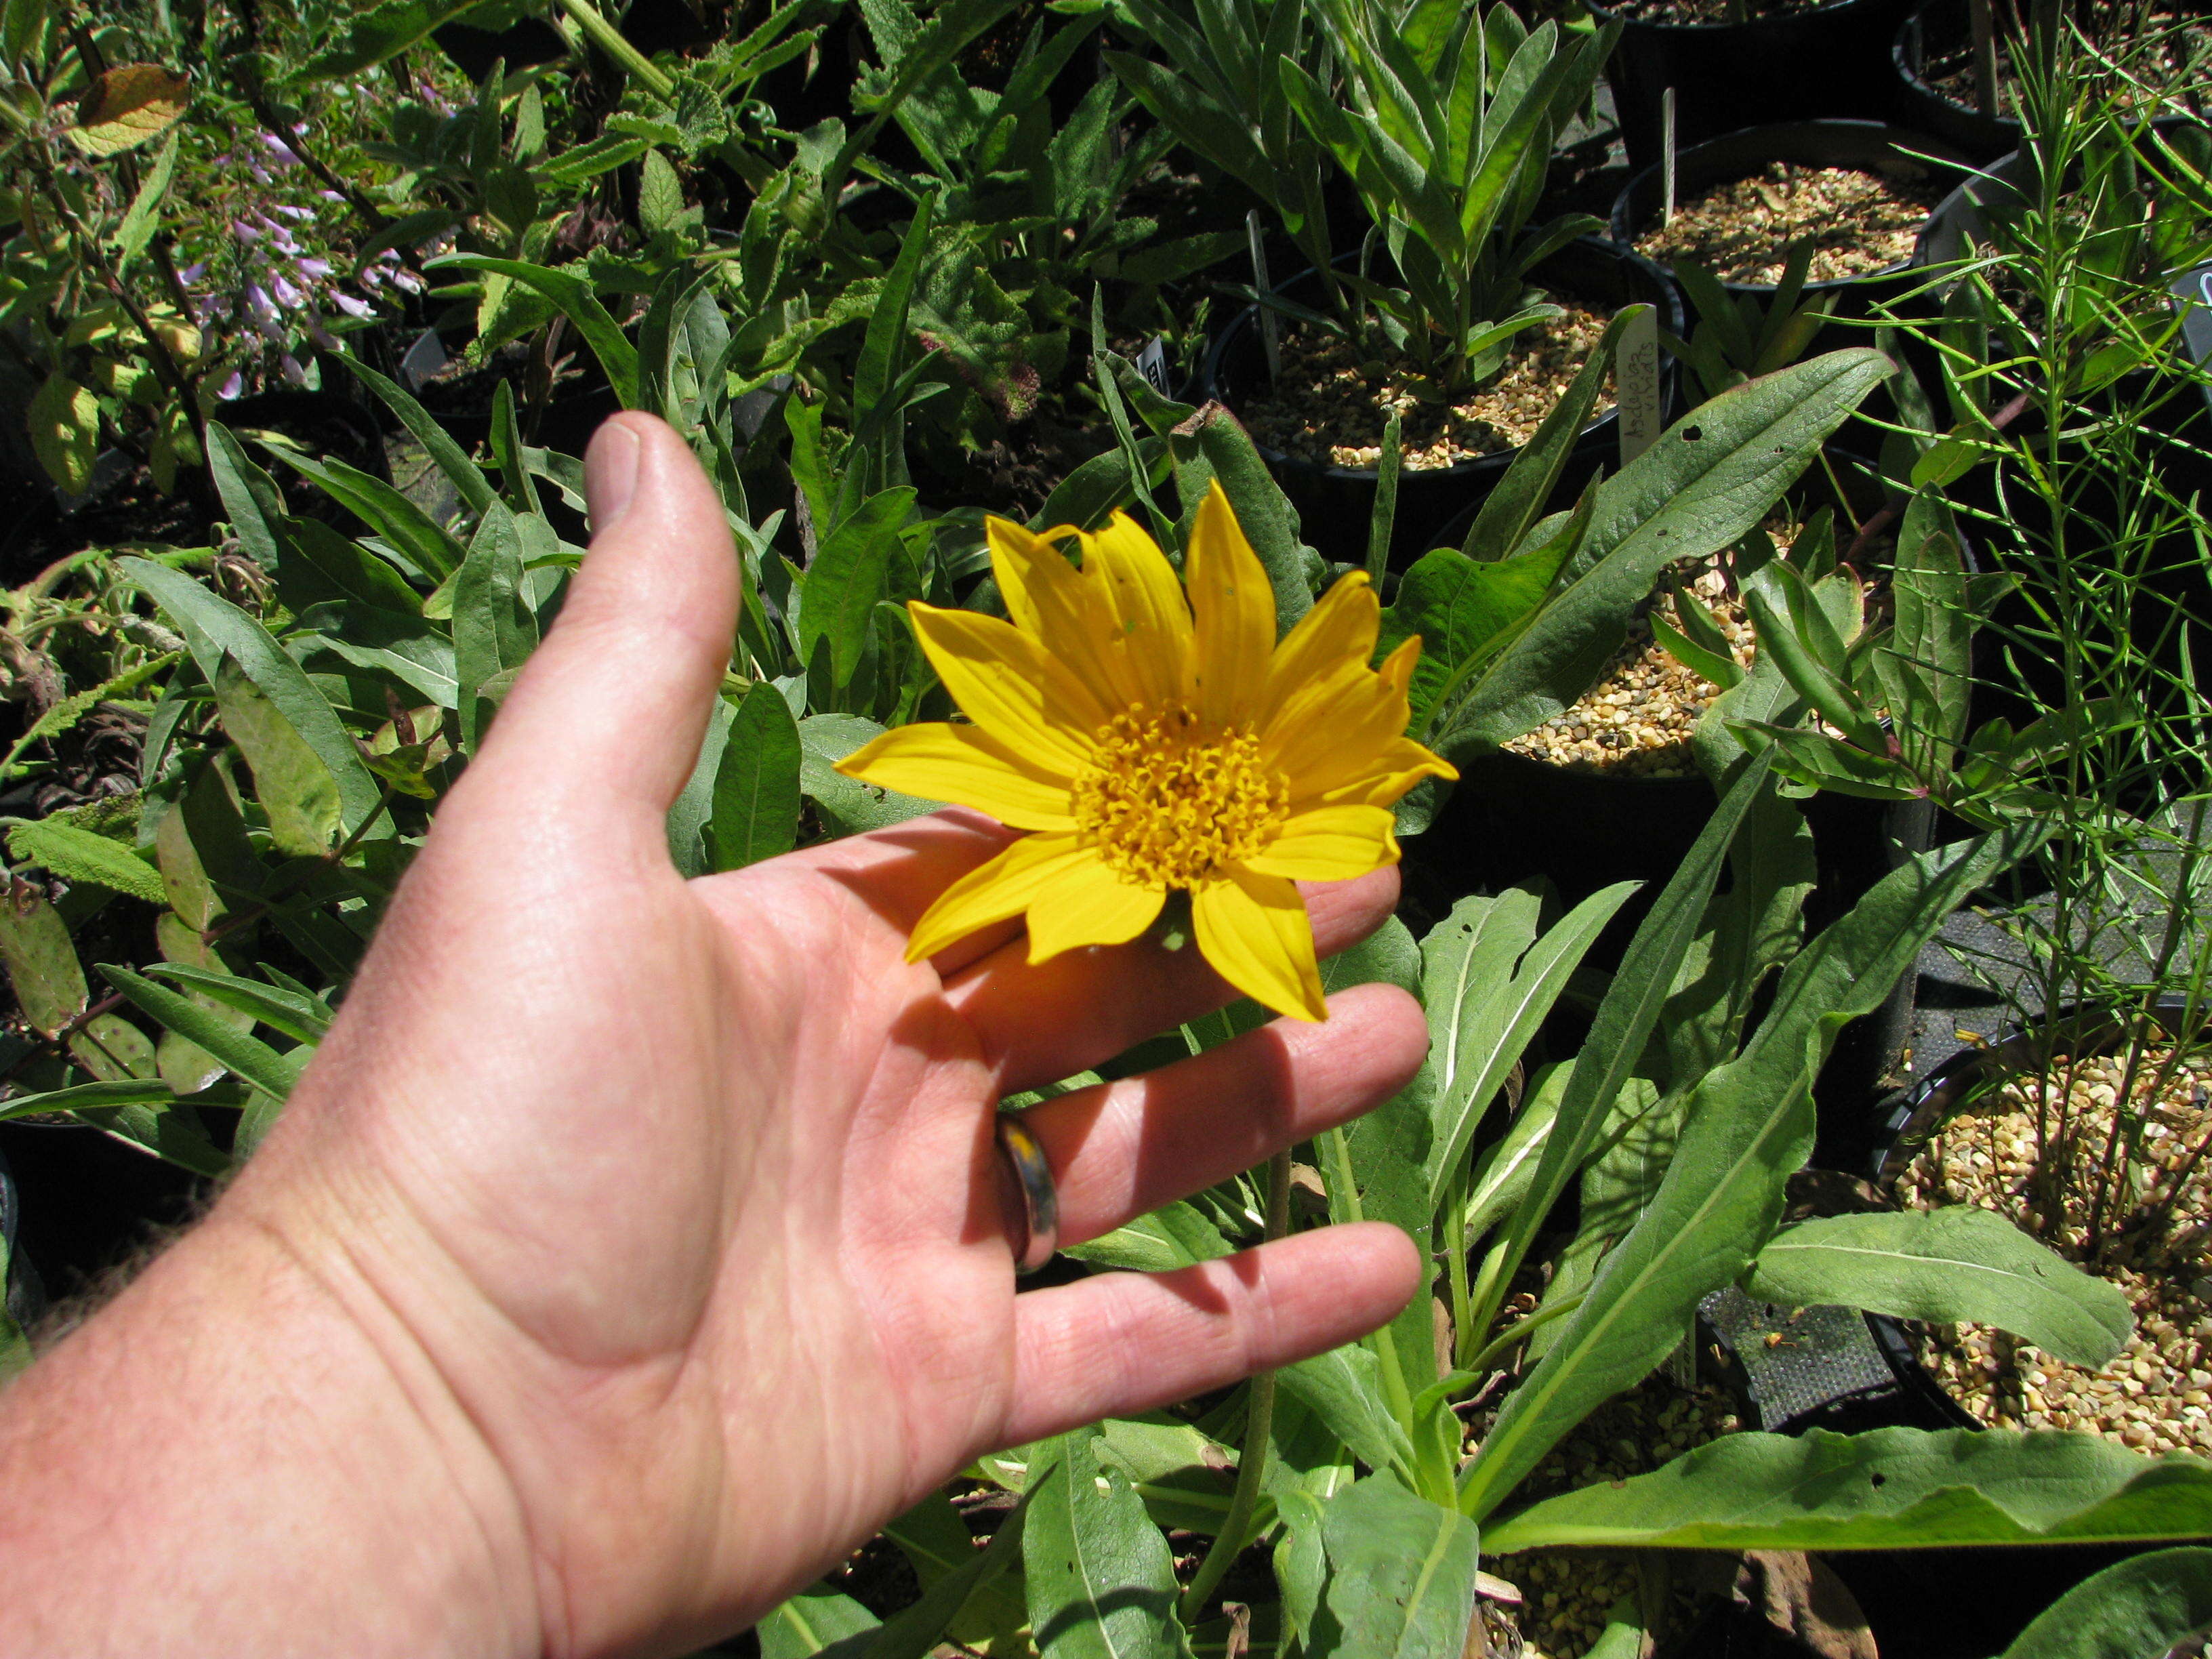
[(1259, 1421), (608, 40)]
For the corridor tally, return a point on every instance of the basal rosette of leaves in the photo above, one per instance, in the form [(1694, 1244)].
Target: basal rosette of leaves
[(1151, 746)]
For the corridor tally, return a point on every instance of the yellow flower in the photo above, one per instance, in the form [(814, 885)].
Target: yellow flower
[(1149, 743)]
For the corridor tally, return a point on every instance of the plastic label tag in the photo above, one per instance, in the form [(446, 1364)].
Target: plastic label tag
[(423, 359), (1636, 385), (1152, 364)]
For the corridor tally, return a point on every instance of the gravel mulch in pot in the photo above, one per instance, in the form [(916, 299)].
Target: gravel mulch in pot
[(1860, 221), (2157, 1395), (1636, 721), (1565, 1593), (1331, 404)]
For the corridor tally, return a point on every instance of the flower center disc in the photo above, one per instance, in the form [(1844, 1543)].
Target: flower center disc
[(1171, 798)]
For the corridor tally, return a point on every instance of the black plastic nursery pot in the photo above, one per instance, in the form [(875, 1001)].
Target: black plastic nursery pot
[(1830, 61), (1940, 33), (1336, 504), (1872, 146)]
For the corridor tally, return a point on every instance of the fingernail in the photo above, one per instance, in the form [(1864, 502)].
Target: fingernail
[(611, 472)]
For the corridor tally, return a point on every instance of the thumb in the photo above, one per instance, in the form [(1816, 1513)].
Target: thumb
[(611, 709)]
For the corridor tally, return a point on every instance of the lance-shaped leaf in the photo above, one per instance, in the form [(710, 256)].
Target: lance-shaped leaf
[(1956, 1263), (756, 804), (127, 105), (75, 854), (575, 298), (1710, 477), (1401, 1576), (1102, 1584), (1890, 1489), (251, 1059), (2149, 1605), (1749, 1126)]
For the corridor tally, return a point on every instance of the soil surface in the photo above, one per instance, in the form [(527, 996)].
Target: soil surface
[(2157, 1395), (1331, 405), (1858, 221), (1636, 721)]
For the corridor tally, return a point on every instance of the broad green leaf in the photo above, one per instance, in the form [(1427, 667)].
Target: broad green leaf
[(78, 854), (1212, 448), (1943, 1266), (1102, 1584), (1184, 1477), (383, 31), (935, 1540), (127, 105), (253, 1061), (1176, 1235), (1889, 1489), (918, 1630), (250, 495), (40, 959), (2148, 1606), (293, 786), (495, 630), (64, 420), (1464, 609), (145, 214), (415, 536), (660, 193), (1710, 477), (850, 572), (1401, 1576), (1342, 1389), (1749, 1126), (213, 627), (695, 802), (852, 807), (755, 812), (1505, 1171), (814, 1621), (1484, 1004)]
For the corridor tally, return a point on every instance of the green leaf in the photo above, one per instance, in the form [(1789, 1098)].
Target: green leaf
[(212, 627), (1343, 1388), (1464, 609), (1176, 1235), (466, 477), (1943, 1266), (934, 1538), (1890, 1489), (128, 1092), (127, 105), (1749, 1126), (919, 1628), (659, 192), (1212, 448), (383, 31), (1685, 496), (65, 420), (850, 572), (1102, 1584), (814, 1621), (412, 532), (63, 715), (755, 812), (293, 786), (1401, 1576), (300, 1015), (40, 959), (249, 1058), (573, 296), (77, 854), (143, 213), (2148, 1606), (1485, 1003), (249, 494), (494, 630)]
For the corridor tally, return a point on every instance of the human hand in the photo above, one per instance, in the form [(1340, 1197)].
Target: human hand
[(675, 1207)]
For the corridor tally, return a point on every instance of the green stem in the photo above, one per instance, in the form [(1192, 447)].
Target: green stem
[(1520, 1331), (1259, 1422), (608, 40), (1464, 1334)]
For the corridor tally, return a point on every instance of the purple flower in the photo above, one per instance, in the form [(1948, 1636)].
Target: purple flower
[(231, 387), (351, 307), (293, 372)]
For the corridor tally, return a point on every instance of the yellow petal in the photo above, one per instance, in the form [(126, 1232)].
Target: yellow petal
[(1330, 843), (1401, 766), (1339, 630), (1234, 609), (1088, 904), (1331, 733), (1005, 682), (1005, 887), (1064, 610), (1151, 620), (1253, 929), (966, 765)]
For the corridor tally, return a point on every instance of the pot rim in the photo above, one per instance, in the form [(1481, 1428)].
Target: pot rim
[(1247, 317), (1912, 77), (1619, 225)]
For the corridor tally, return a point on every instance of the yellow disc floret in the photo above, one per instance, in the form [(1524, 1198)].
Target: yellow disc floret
[(1168, 798)]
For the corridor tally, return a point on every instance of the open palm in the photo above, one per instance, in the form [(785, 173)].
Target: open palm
[(688, 1191)]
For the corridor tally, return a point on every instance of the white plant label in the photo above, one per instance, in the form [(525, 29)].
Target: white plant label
[(1636, 382)]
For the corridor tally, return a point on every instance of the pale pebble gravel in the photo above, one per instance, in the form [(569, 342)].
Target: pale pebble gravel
[(1860, 221), (1567, 1592), (2157, 1395), (1330, 406), (1636, 721)]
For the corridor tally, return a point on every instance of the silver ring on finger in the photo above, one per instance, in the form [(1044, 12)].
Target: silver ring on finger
[(1039, 1198)]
